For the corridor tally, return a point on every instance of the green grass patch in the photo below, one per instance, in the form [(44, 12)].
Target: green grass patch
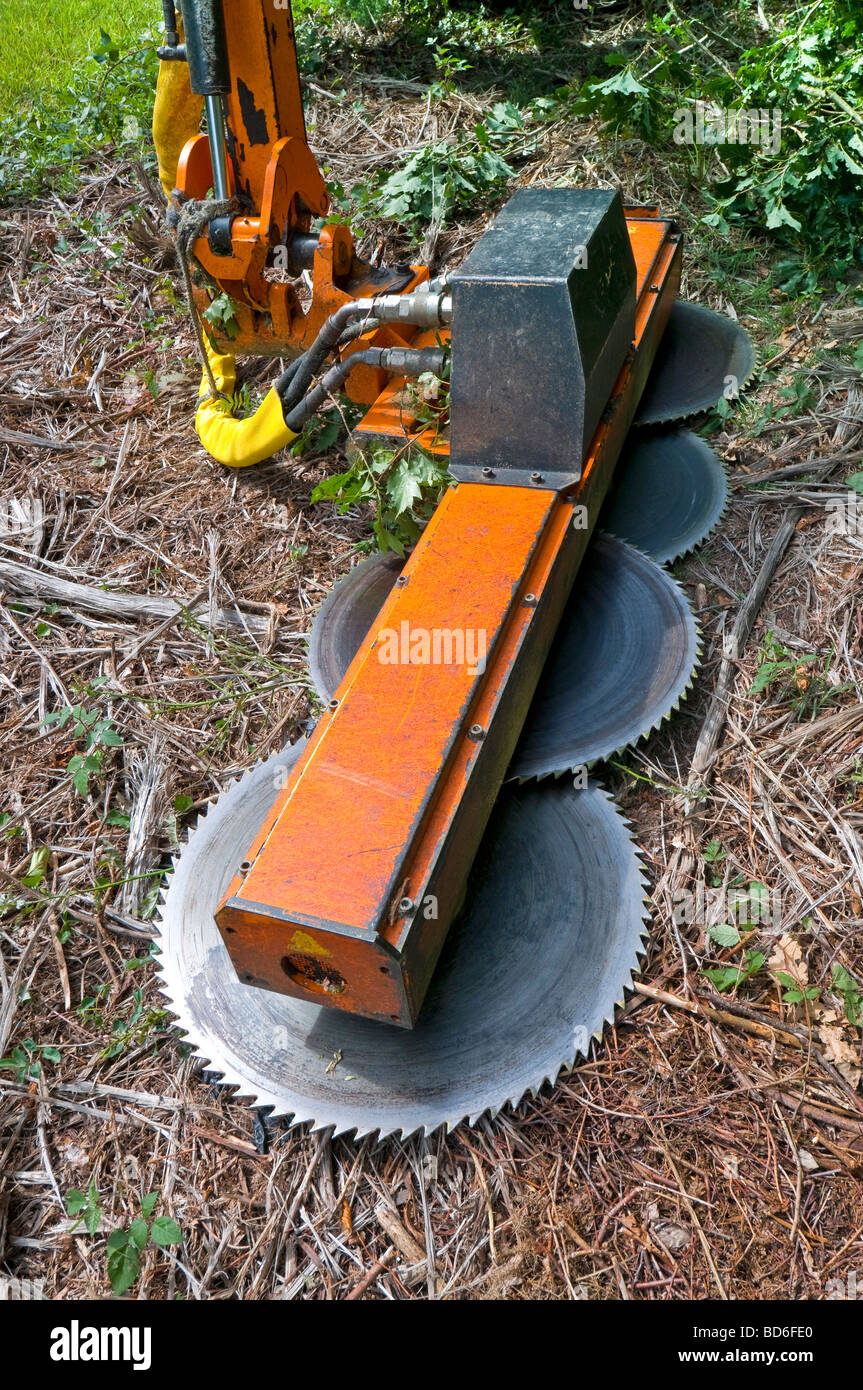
[(44, 42)]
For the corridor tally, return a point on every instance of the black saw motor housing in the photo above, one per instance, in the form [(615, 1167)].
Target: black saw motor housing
[(543, 319)]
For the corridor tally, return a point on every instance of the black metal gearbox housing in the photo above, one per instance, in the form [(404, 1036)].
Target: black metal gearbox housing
[(543, 318)]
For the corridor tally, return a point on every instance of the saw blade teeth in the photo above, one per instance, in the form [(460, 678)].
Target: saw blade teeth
[(625, 611), (233, 1042), (699, 351), (668, 494)]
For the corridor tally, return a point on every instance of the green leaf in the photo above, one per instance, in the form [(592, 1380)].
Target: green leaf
[(725, 977), (722, 976), (712, 852), (625, 82), (148, 1203), (403, 489), (75, 1201), (124, 1266), (220, 313), (164, 1231), (50, 1054), (333, 487), (36, 869), (138, 1233), (724, 934), (855, 482), (779, 216), (848, 988), (328, 433), (183, 803), (117, 1240)]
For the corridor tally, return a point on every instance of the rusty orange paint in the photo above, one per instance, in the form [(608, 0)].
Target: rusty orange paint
[(276, 176), (391, 797), (386, 816)]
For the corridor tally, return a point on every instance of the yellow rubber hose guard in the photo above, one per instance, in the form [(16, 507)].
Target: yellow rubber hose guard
[(235, 443), (238, 443), (176, 118)]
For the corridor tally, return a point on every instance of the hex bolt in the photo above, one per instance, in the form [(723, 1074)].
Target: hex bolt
[(405, 906), (334, 704), (476, 732), (654, 289), (401, 581), (245, 866), (536, 477), (488, 472), (530, 600)]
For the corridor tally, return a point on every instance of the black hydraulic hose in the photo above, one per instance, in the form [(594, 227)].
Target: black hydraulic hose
[(283, 382), (314, 357), (339, 329), (405, 361)]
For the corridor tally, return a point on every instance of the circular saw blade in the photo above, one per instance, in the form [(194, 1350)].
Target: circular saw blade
[(623, 657), (345, 617), (699, 352), (668, 493), (532, 970)]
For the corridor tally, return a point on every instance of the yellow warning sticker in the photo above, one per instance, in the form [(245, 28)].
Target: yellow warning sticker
[(301, 941)]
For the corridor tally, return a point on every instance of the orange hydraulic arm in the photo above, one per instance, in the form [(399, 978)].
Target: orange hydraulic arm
[(256, 161)]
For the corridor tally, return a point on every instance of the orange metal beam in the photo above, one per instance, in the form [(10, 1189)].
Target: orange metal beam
[(352, 883)]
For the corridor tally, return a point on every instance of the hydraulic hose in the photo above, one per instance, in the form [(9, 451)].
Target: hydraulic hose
[(422, 308), (406, 361), (290, 403)]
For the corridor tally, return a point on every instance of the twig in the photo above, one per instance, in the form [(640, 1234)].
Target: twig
[(378, 1268)]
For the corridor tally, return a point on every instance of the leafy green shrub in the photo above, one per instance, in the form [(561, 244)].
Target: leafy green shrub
[(97, 732), (808, 192), (110, 102), (456, 176), (26, 1060), (813, 186), (124, 1245), (404, 486)]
